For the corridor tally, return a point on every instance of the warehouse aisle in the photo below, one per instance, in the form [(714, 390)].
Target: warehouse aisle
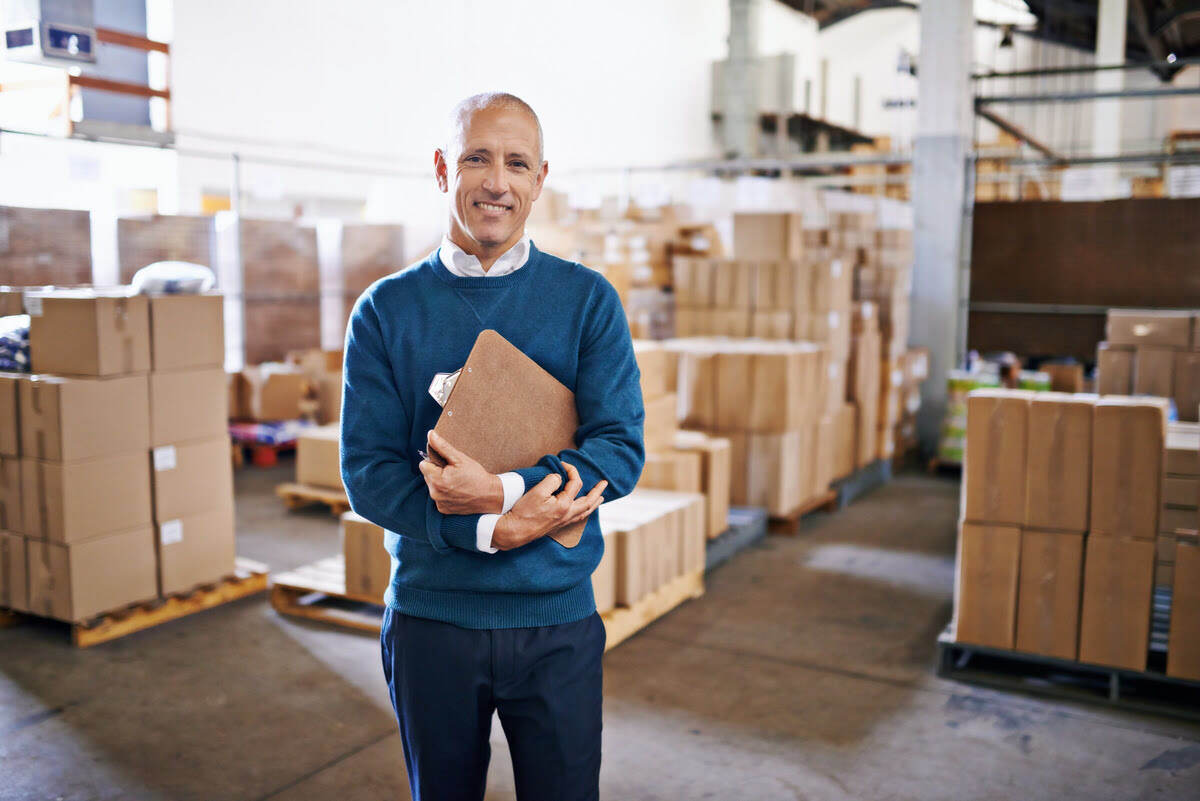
[(805, 672)]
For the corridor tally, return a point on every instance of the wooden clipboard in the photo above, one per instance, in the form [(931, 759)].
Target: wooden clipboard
[(506, 412)]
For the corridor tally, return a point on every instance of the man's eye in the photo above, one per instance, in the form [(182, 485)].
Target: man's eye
[(520, 165), (474, 159)]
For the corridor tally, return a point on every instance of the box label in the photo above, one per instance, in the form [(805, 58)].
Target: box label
[(170, 532), (833, 320), (33, 305), (835, 268), (164, 458)]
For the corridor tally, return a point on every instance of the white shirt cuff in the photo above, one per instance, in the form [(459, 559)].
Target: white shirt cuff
[(483, 532), (514, 488)]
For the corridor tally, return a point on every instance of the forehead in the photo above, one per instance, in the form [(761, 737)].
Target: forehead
[(511, 127)]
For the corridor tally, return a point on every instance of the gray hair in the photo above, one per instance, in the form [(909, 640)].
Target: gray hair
[(463, 111)]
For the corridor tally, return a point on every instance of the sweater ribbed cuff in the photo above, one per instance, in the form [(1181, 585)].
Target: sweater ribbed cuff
[(459, 531), (532, 475)]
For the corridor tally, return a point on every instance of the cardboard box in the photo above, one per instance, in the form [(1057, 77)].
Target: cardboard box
[(1051, 578), (1114, 627), (696, 383), (14, 577), (1153, 327), (1127, 466), (1183, 449), (74, 501), (1183, 644), (1182, 491), (604, 577), (715, 475), (1114, 369), (270, 392), (80, 580), (86, 333), (659, 429), (1058, 475), (652, 364), (196, 549), (318, 459), (12, 300), (1164, 574), (1154, 372), (10, 426), (65, 419), (986, 585), (1187, 385), (1165, 546), (187, 331), (1064, 377), (734, 284), (995, 463), (832, 288), (759, 389), (10, 494), (916, 365), (187, 405), (824, 448), (1172, 519), (846, 440), (770, 470), (674, 470), (368, 564), (191, 477), (768, 236), (771, 324)]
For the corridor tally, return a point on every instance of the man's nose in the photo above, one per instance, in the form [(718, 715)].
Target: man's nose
[(496, 180)]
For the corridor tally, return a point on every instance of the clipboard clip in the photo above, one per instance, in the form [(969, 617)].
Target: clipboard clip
[(442, 385)]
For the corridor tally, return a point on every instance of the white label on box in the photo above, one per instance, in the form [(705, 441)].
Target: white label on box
[(834, 367), (170, 532), (833, 320), (868, 311), (835, 268), (33, 305), (897, 377), (164, 458)]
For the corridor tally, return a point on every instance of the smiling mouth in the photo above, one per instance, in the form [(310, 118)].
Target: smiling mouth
[(494, 208)]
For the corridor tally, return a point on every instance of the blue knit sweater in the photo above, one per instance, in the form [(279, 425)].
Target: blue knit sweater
[(424, 320)]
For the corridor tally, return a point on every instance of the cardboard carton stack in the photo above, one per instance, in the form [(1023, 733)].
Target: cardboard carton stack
[(651, 537), (882, 262), (323, 370), (681, 461), (1152, 352), (45, 246), (1180, 492), (864, 372), (84, 499), (318, 459), (1183, 642), (1060, 506), (916, 370), (767, 398), (192, 474), (163, 237), (368, 564), (269, 392)]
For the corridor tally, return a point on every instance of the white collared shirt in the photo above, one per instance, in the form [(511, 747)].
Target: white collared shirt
[(464, 265)]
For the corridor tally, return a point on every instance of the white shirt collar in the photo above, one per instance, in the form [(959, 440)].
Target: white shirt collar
[(464, 265)]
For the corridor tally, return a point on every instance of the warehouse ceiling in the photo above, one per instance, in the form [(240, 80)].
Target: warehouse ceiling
[(1157, 29)]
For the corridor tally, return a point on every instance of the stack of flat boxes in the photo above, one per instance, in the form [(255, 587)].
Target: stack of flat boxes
[(86, 511), (1181, 490), (916, 370), (767, 398), (1060, 507), (14, 593), (1152, 352), (680, 461), (651, 538)]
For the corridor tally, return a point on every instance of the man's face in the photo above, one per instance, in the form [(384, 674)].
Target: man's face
[(494, 174)]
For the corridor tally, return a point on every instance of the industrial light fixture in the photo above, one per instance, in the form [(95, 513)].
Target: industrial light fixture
[(1170, 58), (1007, 39)]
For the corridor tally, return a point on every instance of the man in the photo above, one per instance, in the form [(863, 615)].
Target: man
[(485, 612)]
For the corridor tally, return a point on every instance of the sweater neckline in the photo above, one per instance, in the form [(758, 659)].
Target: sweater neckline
[(484, 282)]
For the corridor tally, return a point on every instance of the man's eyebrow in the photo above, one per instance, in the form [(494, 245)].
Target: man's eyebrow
[(476, 151)]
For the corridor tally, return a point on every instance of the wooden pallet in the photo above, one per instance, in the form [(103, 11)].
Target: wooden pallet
[(261, 454), (297, 496), (249, 578), (318, 592), (790, 524)]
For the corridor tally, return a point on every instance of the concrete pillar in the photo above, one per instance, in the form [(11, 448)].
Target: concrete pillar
[(940, 149), (1106, 116), (740, 125)]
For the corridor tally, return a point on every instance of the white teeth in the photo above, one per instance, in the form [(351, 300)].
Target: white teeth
[(492, 207)]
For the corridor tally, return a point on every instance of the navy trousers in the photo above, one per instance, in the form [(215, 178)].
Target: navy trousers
[(546, 684)]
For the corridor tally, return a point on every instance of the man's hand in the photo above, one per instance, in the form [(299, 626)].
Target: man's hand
[(540, 511), (462, 487)]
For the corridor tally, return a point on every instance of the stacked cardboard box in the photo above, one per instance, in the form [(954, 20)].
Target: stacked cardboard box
[(675, 460), (323, 369), (318, 457), (1183, 644), (1152, 352), (191, 469), (882, 262), (916, 370), (85, 492), (1061, 497), (269, 392), (163, 237), (651, 537), (767, 397), (45, 246), (368, 564), (864, 385), (1180, 492)]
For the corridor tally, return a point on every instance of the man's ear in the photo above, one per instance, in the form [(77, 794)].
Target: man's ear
[(441, 170), (540, 181)]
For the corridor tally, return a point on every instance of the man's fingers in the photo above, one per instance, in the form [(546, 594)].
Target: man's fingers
[(548, 485), (451, 454), (574, 482), (429, 469)]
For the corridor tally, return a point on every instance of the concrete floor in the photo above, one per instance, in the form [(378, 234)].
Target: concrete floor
[(804, 673)]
